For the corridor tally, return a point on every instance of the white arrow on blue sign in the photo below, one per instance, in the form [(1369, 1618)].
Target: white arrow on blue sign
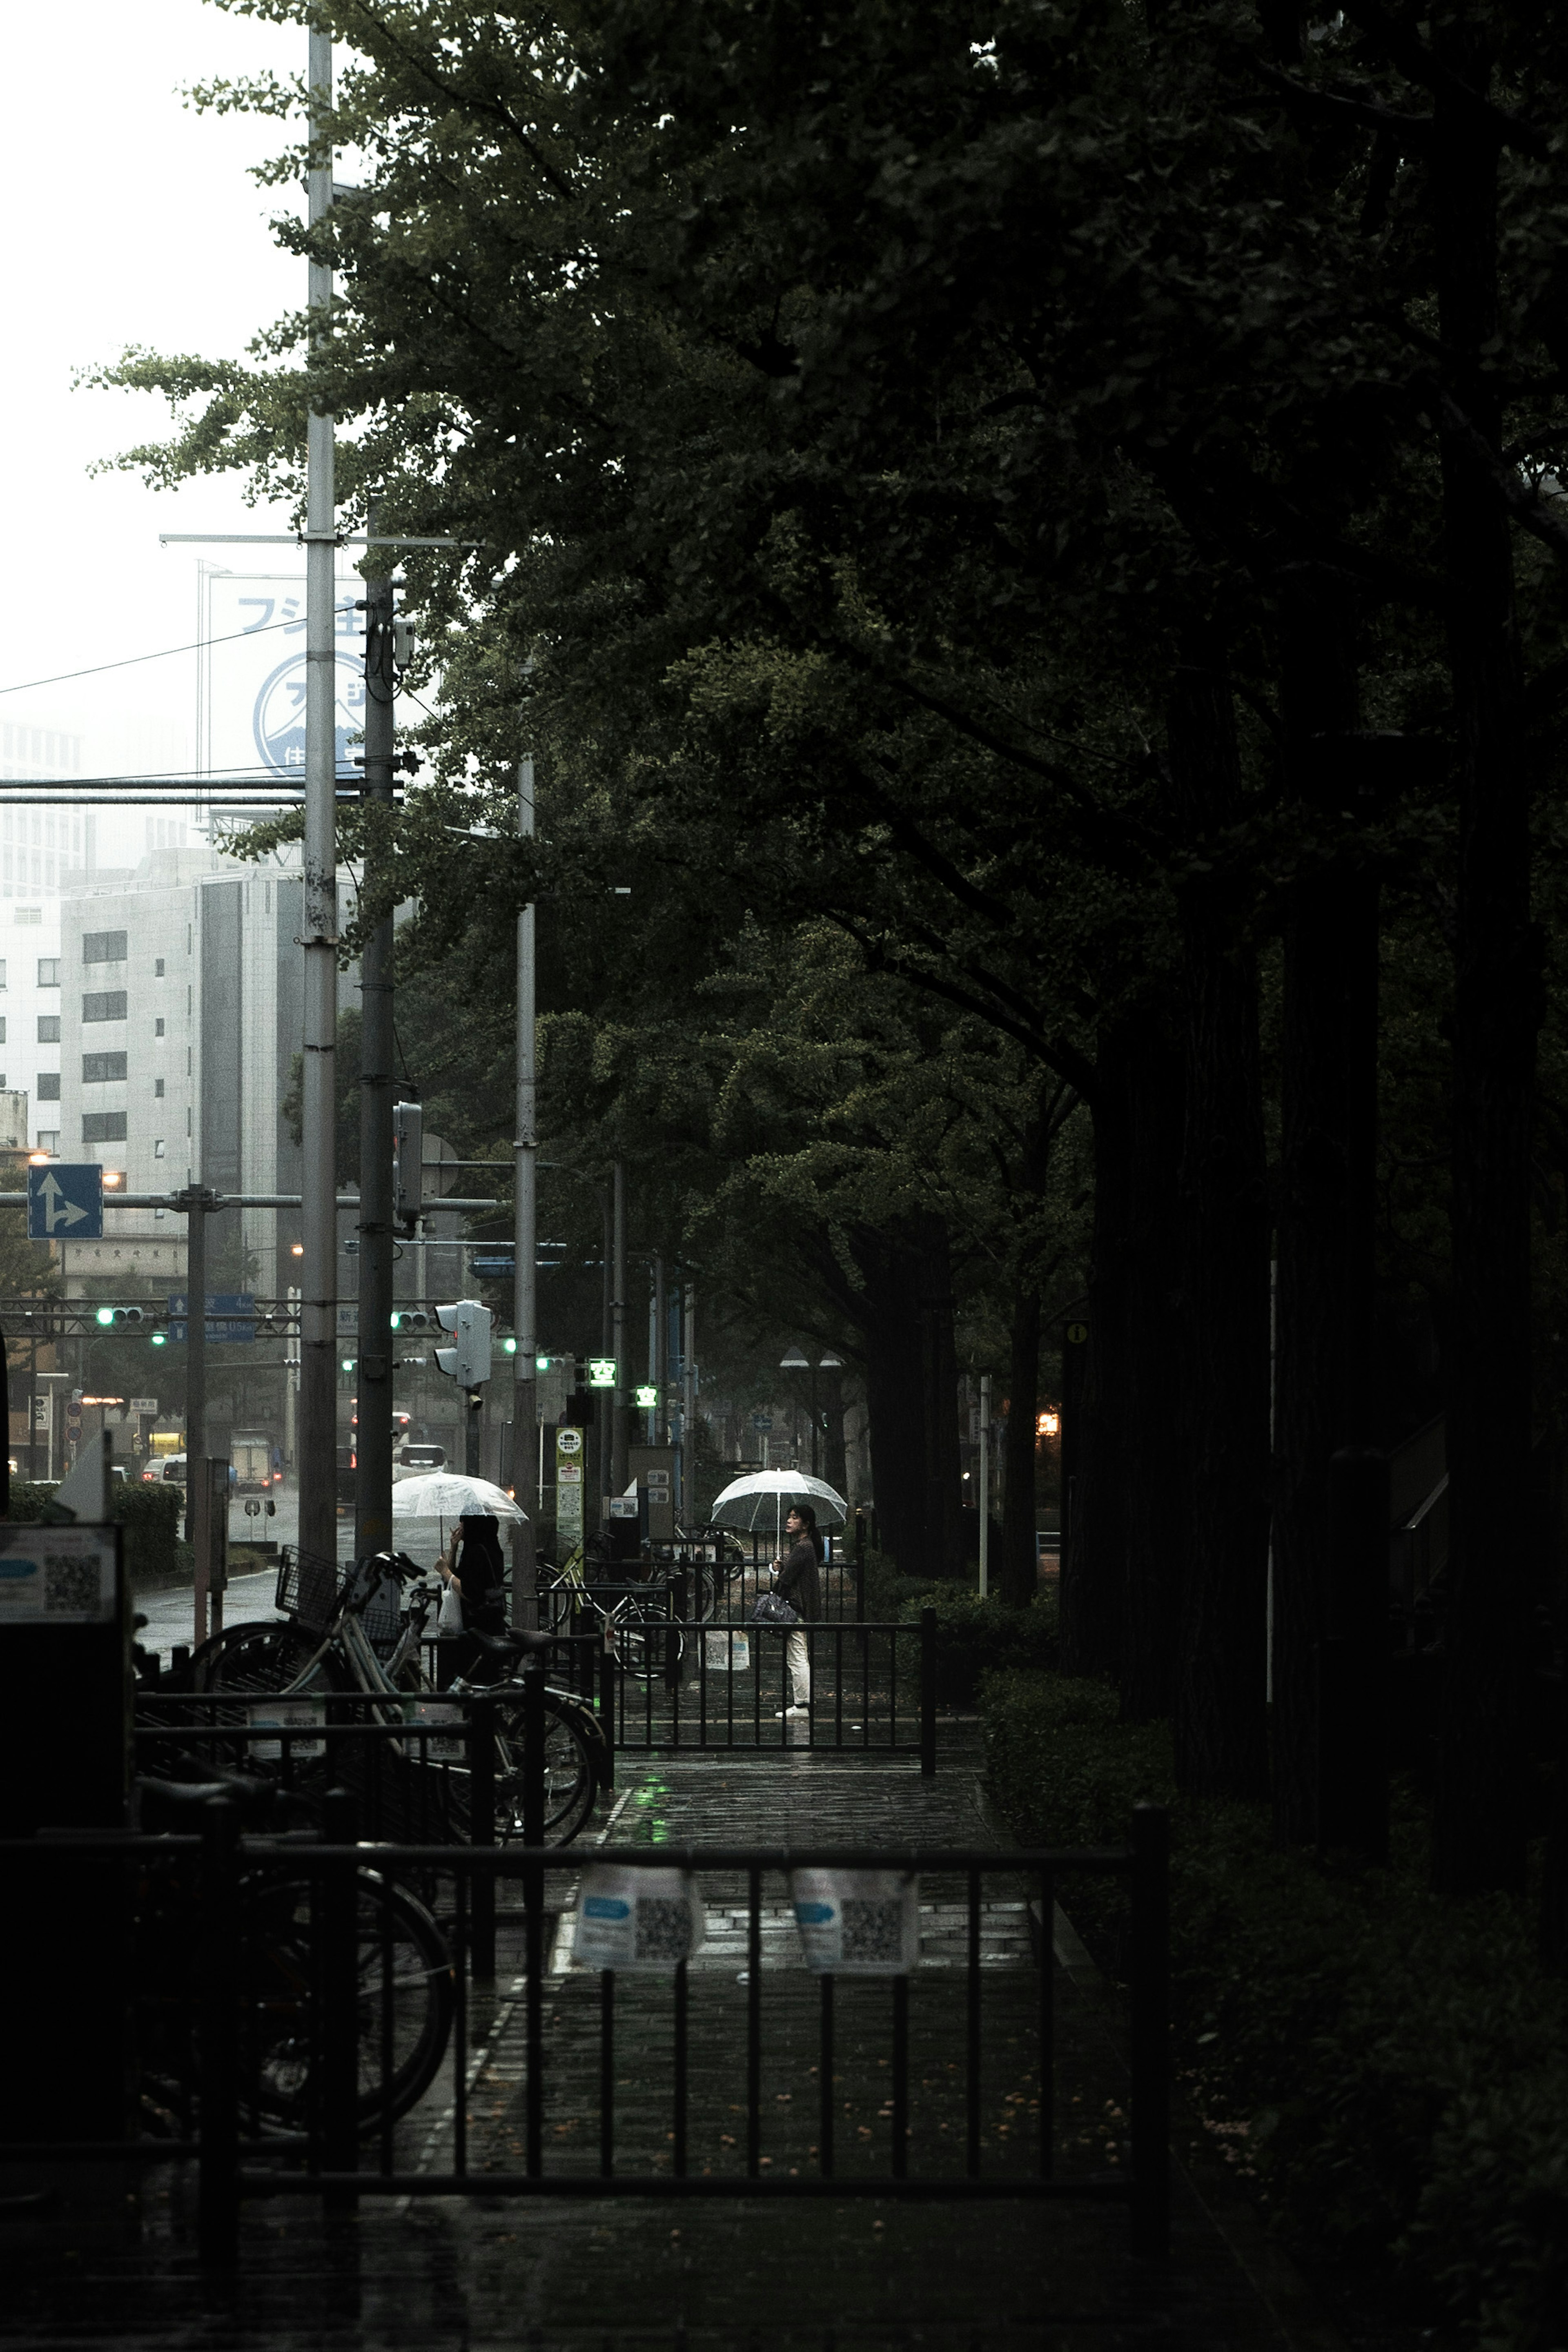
[(65, 1203)]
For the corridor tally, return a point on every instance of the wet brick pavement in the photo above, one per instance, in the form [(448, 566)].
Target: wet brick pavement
[(646, 2277)]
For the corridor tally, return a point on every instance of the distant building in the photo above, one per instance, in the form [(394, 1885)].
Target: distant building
[(182, 1014), (30, 1011)]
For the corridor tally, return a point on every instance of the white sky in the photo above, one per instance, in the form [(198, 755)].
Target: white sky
[(129, 218)]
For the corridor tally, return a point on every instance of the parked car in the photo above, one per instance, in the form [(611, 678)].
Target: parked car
[(416, 1461)]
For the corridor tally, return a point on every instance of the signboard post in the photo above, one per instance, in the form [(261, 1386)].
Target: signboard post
[(569, 1453), (65, 1626)]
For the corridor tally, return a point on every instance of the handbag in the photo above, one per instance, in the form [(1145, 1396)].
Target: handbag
[(770, 1609)]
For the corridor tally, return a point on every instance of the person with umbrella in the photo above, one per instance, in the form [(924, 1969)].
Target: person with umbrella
[(474, 1568), (796, 1581)]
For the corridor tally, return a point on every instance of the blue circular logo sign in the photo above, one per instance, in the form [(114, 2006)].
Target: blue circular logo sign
[(279, 721)]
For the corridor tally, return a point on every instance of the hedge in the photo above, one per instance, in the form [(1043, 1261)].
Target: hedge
[(149, 1516), (1397, 2066), (973, 1636)]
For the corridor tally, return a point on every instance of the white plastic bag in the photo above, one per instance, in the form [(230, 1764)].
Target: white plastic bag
[(727, 1652), (858, 1923), (451, 1620), (640, 1920)]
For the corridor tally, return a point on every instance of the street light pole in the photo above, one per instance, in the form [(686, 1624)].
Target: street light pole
[(525, 1241), (373, 1479), (619, 1471), (985, 1484), (318, 1187)]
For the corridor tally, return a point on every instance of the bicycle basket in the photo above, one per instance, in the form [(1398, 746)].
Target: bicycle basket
[(308, 1587), (376, 1598)]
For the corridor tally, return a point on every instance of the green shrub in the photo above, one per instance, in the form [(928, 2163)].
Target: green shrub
[(1392, 2070), (149, 1516), (974, 1635)]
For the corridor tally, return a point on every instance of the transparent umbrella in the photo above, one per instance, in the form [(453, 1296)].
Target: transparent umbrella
[(440, 1500), (749, 1503)]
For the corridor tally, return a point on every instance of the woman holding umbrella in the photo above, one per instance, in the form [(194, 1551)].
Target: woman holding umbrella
[(796, 1581), (473, 1567)]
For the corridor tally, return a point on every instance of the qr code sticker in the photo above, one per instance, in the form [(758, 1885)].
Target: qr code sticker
[(873, 1931), (70, 1586), (664, 1928)]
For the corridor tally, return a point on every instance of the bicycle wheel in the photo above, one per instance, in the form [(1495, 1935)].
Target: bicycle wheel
[(406, 2001), (571, 1772), (265, 1656), (644, 1637)]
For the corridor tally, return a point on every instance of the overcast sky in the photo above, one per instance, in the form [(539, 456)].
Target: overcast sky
[(130, 218)]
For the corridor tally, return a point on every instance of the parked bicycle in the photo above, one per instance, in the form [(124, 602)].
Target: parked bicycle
[(296, 1660), (403, 2006)]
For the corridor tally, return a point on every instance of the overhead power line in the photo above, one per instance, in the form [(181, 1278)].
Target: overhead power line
[(165, 653)]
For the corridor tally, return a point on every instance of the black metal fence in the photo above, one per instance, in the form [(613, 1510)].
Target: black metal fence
[(313, 2032)]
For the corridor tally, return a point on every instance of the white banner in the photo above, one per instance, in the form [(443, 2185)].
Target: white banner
[(858, 1923), (641, 1920), (254, 678)]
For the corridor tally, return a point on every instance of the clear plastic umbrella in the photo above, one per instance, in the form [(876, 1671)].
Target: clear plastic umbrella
[(749, 1503), (440, 1500)]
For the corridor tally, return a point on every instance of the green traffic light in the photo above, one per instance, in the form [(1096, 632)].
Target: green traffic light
[(508, 1347), (159, 1339), (106, 1315)]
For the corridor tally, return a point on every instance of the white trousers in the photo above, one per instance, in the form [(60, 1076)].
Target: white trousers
[(798, 1656)]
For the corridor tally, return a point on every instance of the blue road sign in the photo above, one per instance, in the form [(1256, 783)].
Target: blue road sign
[(492, 1261), (65, 1203), (234, 1312), (763, 1422)]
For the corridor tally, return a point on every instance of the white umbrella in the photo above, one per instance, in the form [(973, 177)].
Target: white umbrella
[(443, 1498), (751, 1502)]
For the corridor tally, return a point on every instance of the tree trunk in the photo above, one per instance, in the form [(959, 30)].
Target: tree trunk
[(884, 1308), (1327, 1194), (1155, 1512), (1220, 1717), (1480, 1841), (1017, 1580), (943, 1498), (1094, 1554)]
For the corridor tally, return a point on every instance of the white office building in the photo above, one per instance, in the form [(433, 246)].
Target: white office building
[(180, 1009)]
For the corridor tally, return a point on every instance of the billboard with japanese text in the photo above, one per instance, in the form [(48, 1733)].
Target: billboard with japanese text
[(253, 658)]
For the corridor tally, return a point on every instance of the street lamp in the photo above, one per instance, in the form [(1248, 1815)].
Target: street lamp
[(796, 1360)]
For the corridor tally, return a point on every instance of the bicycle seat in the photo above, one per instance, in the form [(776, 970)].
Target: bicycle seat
[(516, 1639), (165, 1801)]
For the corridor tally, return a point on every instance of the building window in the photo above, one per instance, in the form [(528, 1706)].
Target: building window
[(103, 947), (103, 1127), (1, 1028), (158, 968), (48, 1086), (33, 915), (48, 966), (158, 1027), (157, 1086), (158, 1149), (49, 1138), (107, 1004), (2, 971), (97, 1069), (48, 1028)]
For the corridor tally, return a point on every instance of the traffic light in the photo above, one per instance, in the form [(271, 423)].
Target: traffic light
[(468, 1360), (407, 1161), (412, 1318), (116, 1319)]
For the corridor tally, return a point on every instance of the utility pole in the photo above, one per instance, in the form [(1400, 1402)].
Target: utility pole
[(619, 1471), (604, 1401), (658, 1358), (525, 1242), (373, 1481), (317, 1335), (195, 1199), (985, 1484), (688, 1404)]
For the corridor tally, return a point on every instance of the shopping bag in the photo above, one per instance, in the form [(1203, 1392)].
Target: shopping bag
[(727, 1652)]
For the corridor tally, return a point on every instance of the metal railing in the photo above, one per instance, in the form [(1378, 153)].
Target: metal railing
[(934, 2133)]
